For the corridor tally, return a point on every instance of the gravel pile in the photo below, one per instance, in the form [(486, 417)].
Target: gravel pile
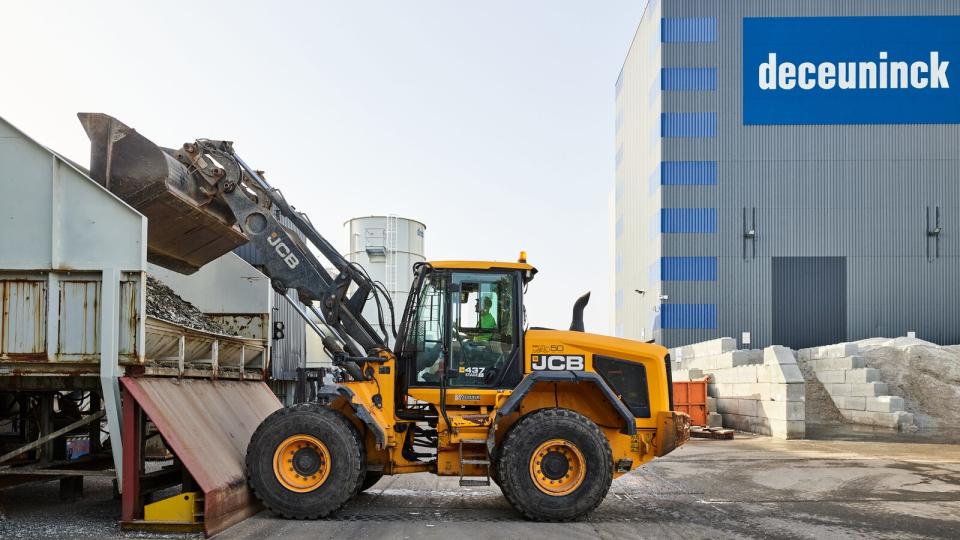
[(163, 303), (925, 374)]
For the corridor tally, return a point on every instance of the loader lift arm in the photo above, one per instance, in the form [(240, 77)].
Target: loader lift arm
[(288, 262)]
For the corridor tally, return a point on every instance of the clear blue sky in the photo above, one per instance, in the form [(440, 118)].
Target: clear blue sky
[(492, 122)]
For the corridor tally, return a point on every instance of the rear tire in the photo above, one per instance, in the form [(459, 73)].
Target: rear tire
[(555, 465), (305, 461)]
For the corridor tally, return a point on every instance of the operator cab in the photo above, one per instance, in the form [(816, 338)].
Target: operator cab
[(471, 313)]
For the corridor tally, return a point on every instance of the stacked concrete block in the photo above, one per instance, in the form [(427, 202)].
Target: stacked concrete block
[(758, 391), (858, 391)]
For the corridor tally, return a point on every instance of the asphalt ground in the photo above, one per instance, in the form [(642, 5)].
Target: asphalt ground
[(750, 487)]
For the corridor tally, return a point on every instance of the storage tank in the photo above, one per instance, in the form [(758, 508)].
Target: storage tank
[(388, 247)]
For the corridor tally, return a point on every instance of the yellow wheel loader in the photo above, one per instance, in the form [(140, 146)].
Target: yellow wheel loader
[(467, 390)]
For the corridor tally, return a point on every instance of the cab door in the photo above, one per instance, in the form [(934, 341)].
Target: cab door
[(484, 341)]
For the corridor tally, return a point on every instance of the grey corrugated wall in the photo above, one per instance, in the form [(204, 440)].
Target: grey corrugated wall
[(856, 191)]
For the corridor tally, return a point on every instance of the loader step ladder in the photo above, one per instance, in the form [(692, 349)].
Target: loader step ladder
[(475, 482)]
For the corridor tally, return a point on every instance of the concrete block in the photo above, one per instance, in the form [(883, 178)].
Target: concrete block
[(891, 420), (747, 407), (863, 375), (783, 410), (727, 405), (848, 362), (849, 402), (838, 350), (714, 346), (884, 403), (786, 392), (869, 389), (712, 390), (838, 389), (741, 358), (778, 355), (746, 374), (711, 404), (791, 429), (714, 420), (791, 373), (681, 375), (829, 377), (695, 374)]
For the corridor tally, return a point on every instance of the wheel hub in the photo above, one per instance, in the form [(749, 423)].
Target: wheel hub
[(557, 467), (301, 463)]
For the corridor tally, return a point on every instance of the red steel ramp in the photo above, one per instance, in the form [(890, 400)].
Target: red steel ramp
[(207, 424)]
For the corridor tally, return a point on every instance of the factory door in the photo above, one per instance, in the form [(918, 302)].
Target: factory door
[(809, 297)]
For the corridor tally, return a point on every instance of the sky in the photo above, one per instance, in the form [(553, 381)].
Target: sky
[(491, 122)]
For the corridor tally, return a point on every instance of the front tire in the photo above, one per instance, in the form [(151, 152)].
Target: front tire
[(305, 461), (555, 465)]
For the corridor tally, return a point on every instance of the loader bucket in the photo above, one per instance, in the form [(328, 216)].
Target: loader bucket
[(187, 227)]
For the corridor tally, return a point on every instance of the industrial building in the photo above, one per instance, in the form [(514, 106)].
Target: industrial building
[(786, 173)]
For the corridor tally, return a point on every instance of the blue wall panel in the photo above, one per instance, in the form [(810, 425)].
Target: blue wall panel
[(693, 124), (688, 173), (688, 268), (692, 79), (688, 220), (688, 30), (688, 316)]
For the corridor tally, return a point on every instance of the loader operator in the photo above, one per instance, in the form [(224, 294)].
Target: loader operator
[(485, 321)]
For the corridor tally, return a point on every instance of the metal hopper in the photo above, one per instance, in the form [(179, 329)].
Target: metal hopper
[(189, 225)]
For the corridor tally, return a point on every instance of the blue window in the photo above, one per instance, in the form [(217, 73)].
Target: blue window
[(688, 173), (688, 79), (689, 30), (688, 316), (688, 220), (688, 268), (693, 124)]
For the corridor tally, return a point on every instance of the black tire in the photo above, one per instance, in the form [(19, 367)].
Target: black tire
[(517, 483), (347, 461), (371, 478)]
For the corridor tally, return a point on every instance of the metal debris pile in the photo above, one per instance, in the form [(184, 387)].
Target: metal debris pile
[(163, 303)]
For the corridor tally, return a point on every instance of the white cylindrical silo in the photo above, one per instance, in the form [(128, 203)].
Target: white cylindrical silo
[(388, 247)]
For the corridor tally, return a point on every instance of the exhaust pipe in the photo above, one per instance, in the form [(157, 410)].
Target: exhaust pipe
[(578, 306)]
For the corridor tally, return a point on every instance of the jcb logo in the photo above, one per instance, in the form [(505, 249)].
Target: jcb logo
[(283, 251), (557, 362)]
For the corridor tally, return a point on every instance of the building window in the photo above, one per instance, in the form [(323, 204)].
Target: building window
[(688, 220), (688, 316), (688, 30), (688, 124), (688, 268), (688, 79), (688, 173)]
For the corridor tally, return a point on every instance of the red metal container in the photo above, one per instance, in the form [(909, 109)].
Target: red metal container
[(691, 397)]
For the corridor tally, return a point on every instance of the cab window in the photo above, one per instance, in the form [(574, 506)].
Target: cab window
[(483, 337)]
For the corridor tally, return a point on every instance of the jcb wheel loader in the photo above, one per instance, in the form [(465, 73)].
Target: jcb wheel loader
[(467, 390)]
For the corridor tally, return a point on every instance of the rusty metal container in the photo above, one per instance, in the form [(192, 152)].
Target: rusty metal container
[(691, 397), (188, 225)]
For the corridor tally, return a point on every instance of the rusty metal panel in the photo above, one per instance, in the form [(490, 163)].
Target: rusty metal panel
[(24, 320), (208, 425), (79, 333), (129, 317)]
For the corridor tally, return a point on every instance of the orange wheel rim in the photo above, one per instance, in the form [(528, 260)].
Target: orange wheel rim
[(301, 463), (557, 467)]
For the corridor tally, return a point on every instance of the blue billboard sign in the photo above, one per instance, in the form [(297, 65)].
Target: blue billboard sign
[(851, 70)]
